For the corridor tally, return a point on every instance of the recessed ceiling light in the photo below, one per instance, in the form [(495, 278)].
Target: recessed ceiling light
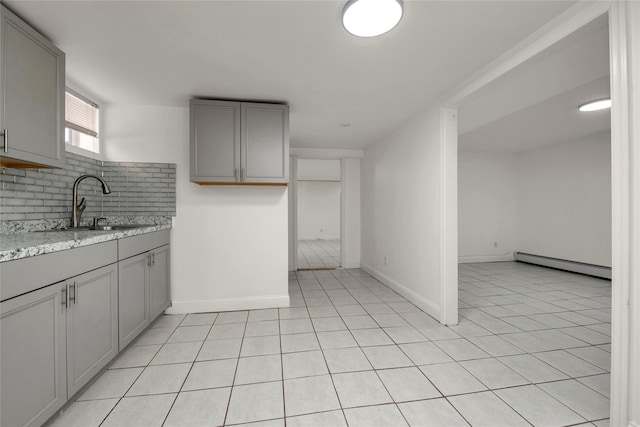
[(370, 18), (598, 104), (345, 125)]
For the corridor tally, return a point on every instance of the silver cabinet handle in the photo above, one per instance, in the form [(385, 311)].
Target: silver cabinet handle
[(65, 294), (149, 260), (73, 298), (5, 137), (153, 258)]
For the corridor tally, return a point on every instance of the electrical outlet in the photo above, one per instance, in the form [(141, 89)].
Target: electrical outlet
[(495, 244)]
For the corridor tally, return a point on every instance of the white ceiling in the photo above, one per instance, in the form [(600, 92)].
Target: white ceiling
[(536, 104), (164, 52)]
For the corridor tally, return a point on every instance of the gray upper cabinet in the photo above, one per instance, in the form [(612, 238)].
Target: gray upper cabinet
[(215, 141), (265, 143), (32, 87), (239, 142)]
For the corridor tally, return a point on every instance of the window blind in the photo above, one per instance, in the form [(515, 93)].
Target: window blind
[(81, 114)]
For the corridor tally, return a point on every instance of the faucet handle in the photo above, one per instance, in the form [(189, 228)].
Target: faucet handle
[(80, 208), (96, 221)]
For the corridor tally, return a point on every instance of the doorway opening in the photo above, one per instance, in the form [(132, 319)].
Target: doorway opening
[(318, 210), (534, 177)]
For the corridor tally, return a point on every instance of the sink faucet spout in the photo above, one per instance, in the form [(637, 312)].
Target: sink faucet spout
[(78, 208)]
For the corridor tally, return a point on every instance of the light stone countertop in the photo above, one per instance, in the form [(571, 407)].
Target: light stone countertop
[(22, 245)]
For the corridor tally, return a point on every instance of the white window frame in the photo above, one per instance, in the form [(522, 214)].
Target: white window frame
[(74, 134)]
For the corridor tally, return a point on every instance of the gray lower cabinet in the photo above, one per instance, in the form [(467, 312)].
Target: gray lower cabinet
[(32, 90), (54, 340), (133, 300), (33, 357), (239, 142), (57, 333), (159, 281), (143, 289), (92, 324)]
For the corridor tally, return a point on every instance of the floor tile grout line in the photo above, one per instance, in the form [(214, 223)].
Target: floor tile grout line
[(128, 388), (122, 397), (235, 373), (180, 390), (355, 291), (335, 390), (284, 400)]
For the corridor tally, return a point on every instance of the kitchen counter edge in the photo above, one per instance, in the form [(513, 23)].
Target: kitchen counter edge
[(24, 245)]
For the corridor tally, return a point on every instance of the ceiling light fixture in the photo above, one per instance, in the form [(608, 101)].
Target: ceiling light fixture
[(598, 104), (370, 18)]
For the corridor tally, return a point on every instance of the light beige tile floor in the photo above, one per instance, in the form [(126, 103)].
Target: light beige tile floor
[(532, 348), (318, 254)]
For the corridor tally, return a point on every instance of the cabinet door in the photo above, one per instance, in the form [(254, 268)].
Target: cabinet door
[(215, 141), (32, 357), (32, 76), (92, 325), (159, 281), (265, 143), (133, 297)]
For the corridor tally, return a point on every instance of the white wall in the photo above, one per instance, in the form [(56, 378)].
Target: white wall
[(318, 199), (228, 244), (319, 169), (401, 202), (564, 200), (553, 201), (486, 206), (318, 210), (351, 213)]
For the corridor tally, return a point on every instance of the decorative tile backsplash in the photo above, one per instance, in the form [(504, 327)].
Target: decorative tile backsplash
[(137, 189), (140, 188)]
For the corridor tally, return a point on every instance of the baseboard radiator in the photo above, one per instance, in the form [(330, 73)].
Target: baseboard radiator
[(563, 264)]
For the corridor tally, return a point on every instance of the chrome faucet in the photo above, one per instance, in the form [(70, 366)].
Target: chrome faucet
[(78, 208)]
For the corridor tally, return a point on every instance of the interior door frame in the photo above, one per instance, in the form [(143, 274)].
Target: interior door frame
[(293, 199), (624, 37)]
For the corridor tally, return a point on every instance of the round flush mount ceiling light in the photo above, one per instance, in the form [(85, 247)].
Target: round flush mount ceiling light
[(598, 104), (370, 18)]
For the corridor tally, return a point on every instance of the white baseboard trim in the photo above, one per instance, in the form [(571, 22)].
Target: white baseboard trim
[(321, 237), (567, 265), (485, 258), (428, 306), (230, 304)]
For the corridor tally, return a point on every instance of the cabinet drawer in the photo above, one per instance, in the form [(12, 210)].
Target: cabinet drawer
[(135, 245), (54, 267)]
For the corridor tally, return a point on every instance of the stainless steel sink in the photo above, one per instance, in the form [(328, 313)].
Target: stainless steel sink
[(117, 227)]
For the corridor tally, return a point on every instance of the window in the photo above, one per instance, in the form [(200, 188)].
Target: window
[(82, 121)]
